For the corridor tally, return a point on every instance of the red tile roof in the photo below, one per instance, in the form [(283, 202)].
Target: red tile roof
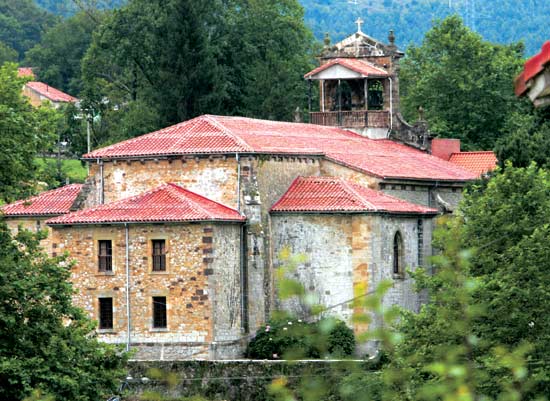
[(360, 66), (166, 203), (50, 203), (476, 162), (333, 194), (534, 66), (55, 95), (23, 72), (229, 135)]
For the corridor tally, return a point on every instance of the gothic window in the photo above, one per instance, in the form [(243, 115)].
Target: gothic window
[(398, 268), (105, 313), (159, 255), (105, 256), (159, 313)]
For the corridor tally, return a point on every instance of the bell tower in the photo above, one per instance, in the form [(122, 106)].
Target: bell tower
[(358, 80)]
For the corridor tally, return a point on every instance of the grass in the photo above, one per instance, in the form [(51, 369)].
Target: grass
[(71, 168)]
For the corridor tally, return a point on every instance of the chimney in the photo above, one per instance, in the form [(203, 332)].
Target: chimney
[(445, 147)]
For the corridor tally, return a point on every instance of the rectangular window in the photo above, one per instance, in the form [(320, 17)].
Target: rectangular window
[(105, 313), (105, 257), (159, 312), (159, 255)]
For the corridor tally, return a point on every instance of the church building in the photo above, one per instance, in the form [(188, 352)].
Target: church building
[(176, 235)]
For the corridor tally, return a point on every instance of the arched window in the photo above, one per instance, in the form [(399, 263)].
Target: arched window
[(398, 269)]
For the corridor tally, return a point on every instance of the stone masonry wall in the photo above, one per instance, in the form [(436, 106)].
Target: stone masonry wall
[(32, 224), (264, 180), (197, 263), (215, 178), (331, 169), (349, 255), (326, 242)]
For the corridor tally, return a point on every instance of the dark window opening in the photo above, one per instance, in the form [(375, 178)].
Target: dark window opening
[(105, 257), (105, 313), (397, 254), (159, 255), (159, 312), (375, 96)]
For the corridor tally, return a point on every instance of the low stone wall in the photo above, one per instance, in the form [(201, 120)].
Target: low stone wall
[(245, 380)]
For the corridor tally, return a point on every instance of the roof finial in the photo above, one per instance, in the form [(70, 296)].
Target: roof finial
[(359, 22)]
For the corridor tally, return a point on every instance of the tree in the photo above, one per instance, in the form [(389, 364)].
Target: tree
[(25, 132), (22, 24), (7, 54), (45, 342), (164, 62), (58, 55), (462, 82), (485, 329), (526, 137), (267, 50)]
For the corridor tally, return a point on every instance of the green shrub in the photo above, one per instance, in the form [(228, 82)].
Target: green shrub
[(294, 339)]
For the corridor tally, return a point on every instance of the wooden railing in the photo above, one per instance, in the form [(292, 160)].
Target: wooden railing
[(352, 119)]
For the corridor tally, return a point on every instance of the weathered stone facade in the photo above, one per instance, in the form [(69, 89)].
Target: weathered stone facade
[(201, 285), (350, 254), (32, 224)]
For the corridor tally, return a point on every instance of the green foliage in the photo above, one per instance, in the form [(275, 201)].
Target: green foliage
[(45, 342), (25, 132), (161, 63), (411, 19), (60, 51), (22, 24), (527, 137), (69, 7), (283, 338), (7, 54), (462, 82)]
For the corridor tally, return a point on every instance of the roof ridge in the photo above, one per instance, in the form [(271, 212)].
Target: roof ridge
[(349, 187), (292, 185), (212, 119), (473, 151)]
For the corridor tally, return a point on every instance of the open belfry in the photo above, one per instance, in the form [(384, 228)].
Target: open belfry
[(176, 235)]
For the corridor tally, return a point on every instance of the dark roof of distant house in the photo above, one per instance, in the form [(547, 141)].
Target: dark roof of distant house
[(50, 203), (53, 94), (476, 162), (360, 66), (229, 135), (164, 204), (333, 194), (532, 67)]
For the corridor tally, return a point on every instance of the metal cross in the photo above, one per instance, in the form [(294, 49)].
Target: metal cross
[(359, 22)]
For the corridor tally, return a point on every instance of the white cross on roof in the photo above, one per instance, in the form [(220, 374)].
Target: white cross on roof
[(359, 22)]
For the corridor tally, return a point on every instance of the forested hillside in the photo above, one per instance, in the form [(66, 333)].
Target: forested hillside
[(502, 21), (69, 7)]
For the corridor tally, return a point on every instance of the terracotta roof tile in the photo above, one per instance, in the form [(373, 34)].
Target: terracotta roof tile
[(55, 95), (532, 67), (362, 67), (50, 203), (166, 203), (24, 72), (333, 194), (476, 162), (226, 135)]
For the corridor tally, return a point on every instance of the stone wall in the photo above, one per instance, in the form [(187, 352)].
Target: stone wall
[(202, 268), (264, 179), (348, 255), (243, 380), (214, 178), (32, 224), (331, 169)]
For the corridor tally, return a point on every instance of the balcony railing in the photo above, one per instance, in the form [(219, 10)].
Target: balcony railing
[(352, 119)]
